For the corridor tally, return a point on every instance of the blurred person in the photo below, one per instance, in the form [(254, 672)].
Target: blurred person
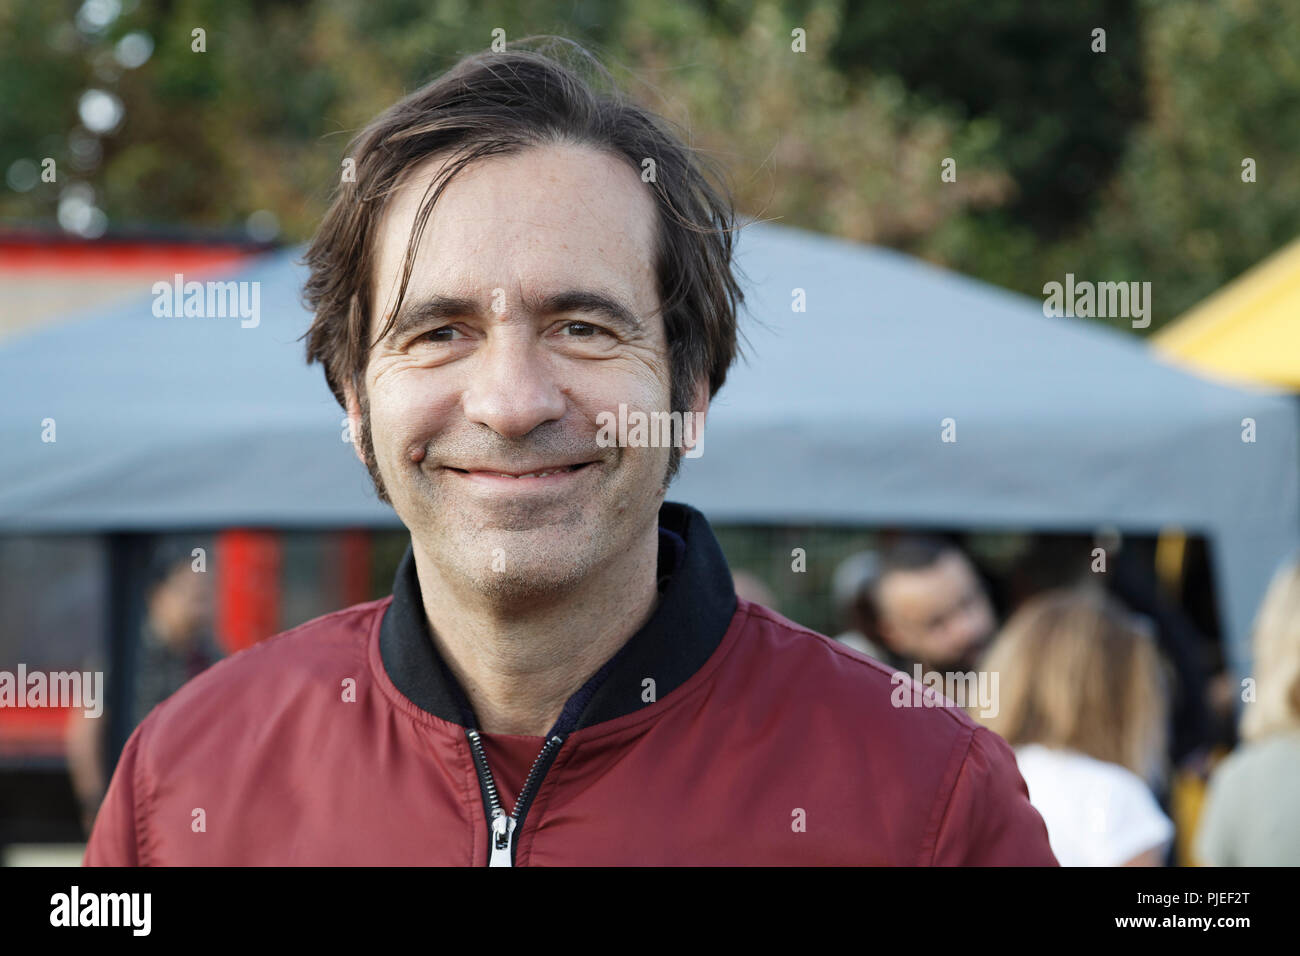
[(1251, 815), (176, 644), (1083, 703), (564, 673), (928, 606), (177, 640), (852, 602), (1068, 560)]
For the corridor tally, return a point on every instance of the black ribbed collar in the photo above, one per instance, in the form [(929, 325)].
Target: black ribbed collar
[(698, 600)]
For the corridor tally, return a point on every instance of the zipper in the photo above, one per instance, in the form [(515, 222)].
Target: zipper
[(502, 828)]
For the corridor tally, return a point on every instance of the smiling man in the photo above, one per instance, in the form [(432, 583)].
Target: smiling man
[(563, 674), (480, 411)]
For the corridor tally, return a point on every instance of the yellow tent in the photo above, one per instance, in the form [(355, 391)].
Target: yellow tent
[(1248, 331)]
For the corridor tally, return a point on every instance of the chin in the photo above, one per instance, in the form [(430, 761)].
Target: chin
[(509, 559), (528, 581)]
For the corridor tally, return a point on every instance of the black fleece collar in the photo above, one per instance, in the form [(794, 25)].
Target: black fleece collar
[(697, 602)]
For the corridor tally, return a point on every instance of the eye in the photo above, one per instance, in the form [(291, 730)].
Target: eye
[(442, 334), (584, 330)]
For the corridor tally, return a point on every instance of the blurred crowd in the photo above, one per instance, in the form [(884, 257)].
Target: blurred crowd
[(1117, 732)]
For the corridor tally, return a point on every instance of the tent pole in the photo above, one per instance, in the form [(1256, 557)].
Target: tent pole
[(127, 564)]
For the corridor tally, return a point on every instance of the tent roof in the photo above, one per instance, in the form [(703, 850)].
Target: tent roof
[(836, 417), (1248, 331), (1058, 421)]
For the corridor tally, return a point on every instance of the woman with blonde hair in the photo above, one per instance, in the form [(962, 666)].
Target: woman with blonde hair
[(1252, 807), (1083, 704)]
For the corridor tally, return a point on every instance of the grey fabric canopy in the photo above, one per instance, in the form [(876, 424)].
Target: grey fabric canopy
[(837, 416)]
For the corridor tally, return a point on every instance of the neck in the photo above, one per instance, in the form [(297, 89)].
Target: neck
[(517, 666)]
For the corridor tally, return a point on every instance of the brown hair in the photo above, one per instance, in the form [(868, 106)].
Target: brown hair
[(1078, 672), (493, 104)]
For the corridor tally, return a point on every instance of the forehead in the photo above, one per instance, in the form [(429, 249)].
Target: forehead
[(917, 591), (546, 219)]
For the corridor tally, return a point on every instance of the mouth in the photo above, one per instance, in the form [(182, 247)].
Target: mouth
[(539, 473), (552, 476)]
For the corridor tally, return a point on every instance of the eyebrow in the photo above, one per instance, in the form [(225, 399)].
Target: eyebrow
[(440, 308)]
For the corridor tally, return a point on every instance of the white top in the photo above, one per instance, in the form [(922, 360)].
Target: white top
[(1097, 813)]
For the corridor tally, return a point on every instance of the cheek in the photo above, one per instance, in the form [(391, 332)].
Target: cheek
[(406, 410), (636, 384)]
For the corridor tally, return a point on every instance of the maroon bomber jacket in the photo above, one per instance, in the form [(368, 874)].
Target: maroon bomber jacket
[(721, 733)]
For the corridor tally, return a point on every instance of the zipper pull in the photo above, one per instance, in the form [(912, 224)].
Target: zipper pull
[(503, 838)]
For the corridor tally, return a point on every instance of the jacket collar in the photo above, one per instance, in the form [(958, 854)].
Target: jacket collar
[(697, 602)]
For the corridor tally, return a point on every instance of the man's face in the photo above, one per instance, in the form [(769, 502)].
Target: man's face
[(181, 605), (532, 308), (938, 615)]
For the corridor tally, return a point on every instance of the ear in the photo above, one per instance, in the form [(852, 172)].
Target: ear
[(354, 421)]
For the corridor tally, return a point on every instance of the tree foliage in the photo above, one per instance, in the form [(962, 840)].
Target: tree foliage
[(1116, 165)]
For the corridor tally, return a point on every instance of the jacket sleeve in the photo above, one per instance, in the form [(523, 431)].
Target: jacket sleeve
[(114, 841), (989, 820)]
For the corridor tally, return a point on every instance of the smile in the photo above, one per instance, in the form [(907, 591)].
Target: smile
[(540, 477), (532, 474)]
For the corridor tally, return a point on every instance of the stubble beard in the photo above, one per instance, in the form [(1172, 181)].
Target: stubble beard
[(492, 573)]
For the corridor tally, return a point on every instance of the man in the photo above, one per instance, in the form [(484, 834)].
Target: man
[(926, 605), (563, 674), (176, 641), (176, 644)]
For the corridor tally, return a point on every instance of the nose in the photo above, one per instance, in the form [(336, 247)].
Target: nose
[(513, 386)]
